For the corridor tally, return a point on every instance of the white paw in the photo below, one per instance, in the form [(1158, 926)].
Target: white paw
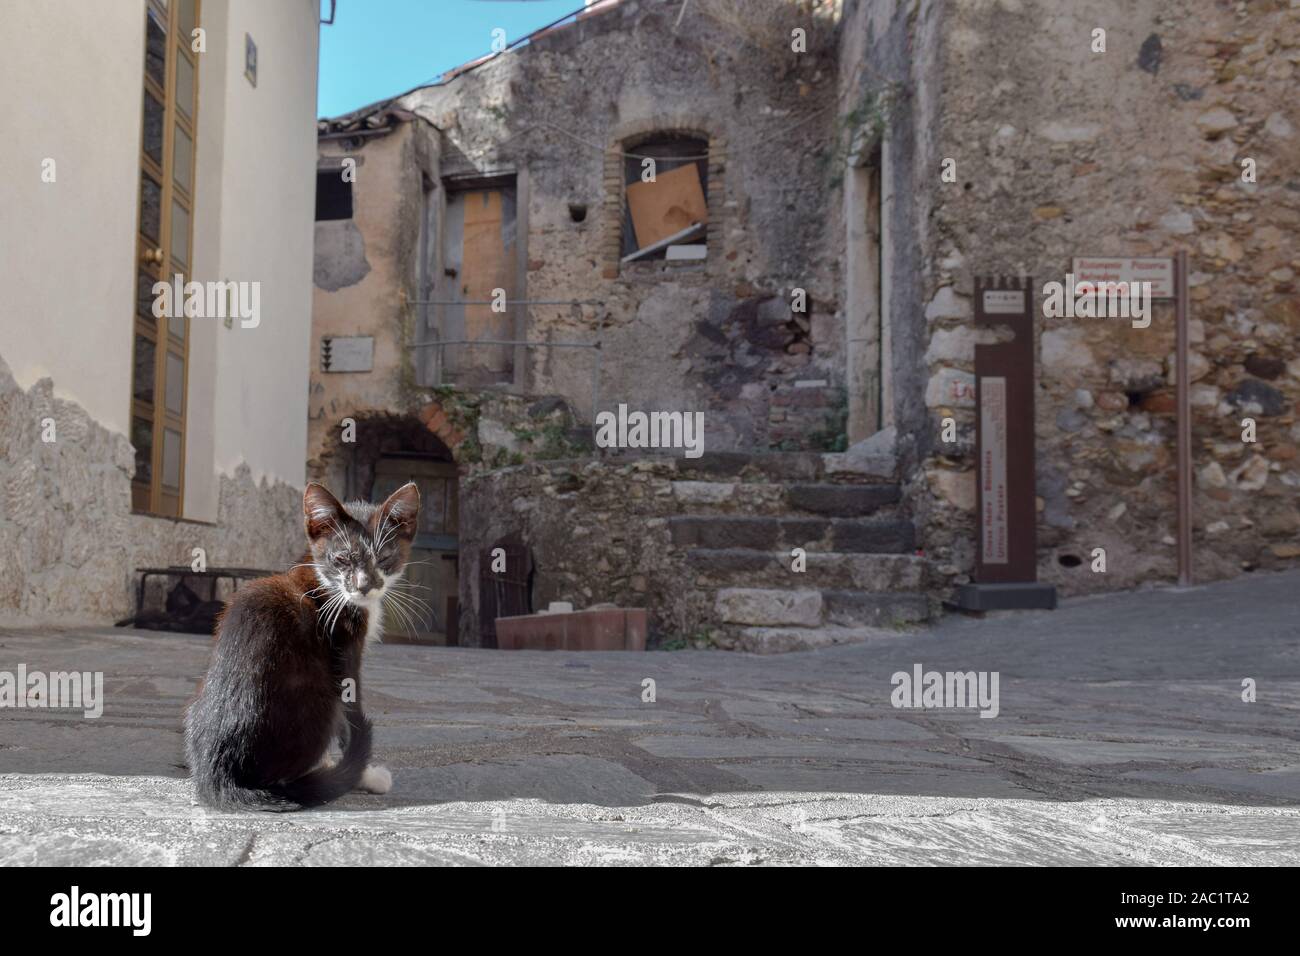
[(376, 779)]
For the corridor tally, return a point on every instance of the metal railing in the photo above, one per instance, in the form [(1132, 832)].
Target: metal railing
[(441, 344)]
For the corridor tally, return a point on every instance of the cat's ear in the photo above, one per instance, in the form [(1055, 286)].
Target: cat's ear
[(401, 509), (321, 511)]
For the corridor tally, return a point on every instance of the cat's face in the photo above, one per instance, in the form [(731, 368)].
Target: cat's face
[(360, 549)]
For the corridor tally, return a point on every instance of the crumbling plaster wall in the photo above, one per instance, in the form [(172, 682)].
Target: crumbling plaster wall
[(69, 543), (1063, 152), (366, 276), (686, 336)]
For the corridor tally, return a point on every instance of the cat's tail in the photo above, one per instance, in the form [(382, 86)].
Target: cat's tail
[(326, 784), (318, 787)]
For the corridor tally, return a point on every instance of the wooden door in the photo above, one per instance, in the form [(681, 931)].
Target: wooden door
[(480, 258), (504, 592), (160, 345), (432, 572)]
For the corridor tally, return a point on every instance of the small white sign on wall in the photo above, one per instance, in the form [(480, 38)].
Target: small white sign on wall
[(354, 353), (1004, 301)]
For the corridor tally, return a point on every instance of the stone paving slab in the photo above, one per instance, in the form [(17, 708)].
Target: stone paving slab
[(1121, 737), (69, 820)]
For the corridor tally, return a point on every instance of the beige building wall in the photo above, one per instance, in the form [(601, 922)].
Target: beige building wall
[(69, 542)]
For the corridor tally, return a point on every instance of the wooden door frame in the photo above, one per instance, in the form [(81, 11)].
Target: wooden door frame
[(156, 260)]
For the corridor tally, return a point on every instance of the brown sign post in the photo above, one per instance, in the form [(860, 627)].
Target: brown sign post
[(1006, 572)]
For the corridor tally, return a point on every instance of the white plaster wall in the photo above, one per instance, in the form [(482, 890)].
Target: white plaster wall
[(268, 190), (72, 92), (73, 71), (201, 480)]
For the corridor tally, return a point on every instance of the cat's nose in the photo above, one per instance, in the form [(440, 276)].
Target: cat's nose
[(363, 582)]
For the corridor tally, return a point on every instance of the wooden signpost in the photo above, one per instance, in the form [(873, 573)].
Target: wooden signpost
[(1006, 571)]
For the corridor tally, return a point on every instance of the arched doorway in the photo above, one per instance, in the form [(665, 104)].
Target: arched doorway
[(386, 452), (433, 619)]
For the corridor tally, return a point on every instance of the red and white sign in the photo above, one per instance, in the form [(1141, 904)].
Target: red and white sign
[(1100, 270)]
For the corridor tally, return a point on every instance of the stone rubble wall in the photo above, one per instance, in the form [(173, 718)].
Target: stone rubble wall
[(1061, 152), (69, 542), (720, 336), (618, 530), (598, 531)]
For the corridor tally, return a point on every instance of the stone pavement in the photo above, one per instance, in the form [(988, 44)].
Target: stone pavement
[(1121, 738)]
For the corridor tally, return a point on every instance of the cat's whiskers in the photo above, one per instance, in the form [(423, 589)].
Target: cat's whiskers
[(323, 612), (407, 613), (414, 605), (399, 612), (410, 600), (345, 603)]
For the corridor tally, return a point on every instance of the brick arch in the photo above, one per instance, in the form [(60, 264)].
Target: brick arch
[(344, 467), (628, 133), (434, 417), (625, 137)]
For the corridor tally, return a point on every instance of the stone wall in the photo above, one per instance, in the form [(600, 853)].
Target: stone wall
[(69, 543), (686, 539), (596, 530), (717, 336), (1061, 152)]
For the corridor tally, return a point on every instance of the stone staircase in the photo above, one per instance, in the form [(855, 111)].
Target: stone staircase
[(736, 521)]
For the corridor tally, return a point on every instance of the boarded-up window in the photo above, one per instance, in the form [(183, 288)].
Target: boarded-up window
[(666, 197), (480, 263)]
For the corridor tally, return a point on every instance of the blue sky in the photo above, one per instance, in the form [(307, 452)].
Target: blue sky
[(379, 48)]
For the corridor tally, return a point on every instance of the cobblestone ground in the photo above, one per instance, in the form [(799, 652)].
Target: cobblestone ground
[(1121, 737)]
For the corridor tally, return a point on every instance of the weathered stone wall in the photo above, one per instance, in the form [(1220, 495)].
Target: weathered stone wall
[(1061, 152), (69, 543), (718, 336), (596, 529), (686, 539), (366, 274)]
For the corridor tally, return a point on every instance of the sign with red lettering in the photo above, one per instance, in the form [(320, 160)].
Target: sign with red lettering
[(1123, 270)]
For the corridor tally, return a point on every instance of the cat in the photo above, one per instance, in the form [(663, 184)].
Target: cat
[(285, 674)]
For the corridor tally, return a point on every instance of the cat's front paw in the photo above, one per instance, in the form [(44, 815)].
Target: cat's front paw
[(376, 779)]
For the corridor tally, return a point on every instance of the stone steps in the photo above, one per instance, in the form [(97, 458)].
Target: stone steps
[(768, 498), (771, 620), (770, 533), (782, 640), (737, 517), (805, 607), (825, 570), (787, 467)]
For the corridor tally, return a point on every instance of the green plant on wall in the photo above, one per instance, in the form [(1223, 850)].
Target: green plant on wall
[(858, 131), (834, 432), (462, 411)]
